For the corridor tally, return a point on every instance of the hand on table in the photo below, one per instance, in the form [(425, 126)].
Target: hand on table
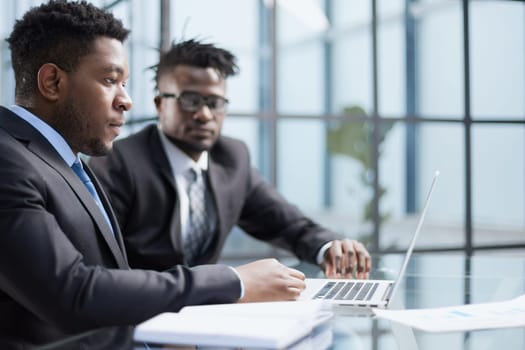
[(347, 258), (269, 280)]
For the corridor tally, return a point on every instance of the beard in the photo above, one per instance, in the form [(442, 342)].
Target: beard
[(76, 128)]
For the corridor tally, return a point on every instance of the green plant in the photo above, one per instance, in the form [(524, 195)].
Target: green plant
[(354, 139)]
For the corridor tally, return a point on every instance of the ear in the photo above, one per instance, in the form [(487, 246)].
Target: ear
[(157, 100), (50, 78)]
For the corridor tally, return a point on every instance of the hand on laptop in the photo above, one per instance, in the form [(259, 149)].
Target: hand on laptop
[(269, 280), (347, 258)]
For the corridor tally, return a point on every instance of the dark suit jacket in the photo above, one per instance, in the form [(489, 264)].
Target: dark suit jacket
[(138, 179), (61, 269)]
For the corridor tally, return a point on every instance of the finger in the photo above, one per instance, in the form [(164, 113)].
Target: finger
[(328, 263), (360, 269), (361, 258), (364, 261), (336, 254), (345, 261), (350, 267), (368, 267), (329, 269), (350, 255), (296, 284), (296, 274), (295, 293)]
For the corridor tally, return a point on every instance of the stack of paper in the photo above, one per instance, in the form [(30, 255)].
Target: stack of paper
[(271, 325)]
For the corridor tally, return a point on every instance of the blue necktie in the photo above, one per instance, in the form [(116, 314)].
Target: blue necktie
[(79, 170)]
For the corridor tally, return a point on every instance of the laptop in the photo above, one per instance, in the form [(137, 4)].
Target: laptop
[(367, 294)]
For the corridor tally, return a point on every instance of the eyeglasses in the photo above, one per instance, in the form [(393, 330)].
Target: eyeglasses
[(190, 101)]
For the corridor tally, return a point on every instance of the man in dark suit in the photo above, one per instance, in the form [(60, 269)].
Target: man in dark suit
[(63, 268), (144, 176)]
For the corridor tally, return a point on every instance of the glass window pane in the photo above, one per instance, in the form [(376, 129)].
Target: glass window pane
[(207, 20), (245, 129), (391, 69), (440, 59), (351, 190), (302, 173), (142, 45), (391, 58), (352, 70), (299, 21), (498, 188), (7, 79), (300, 162), (444, 223), (390, 9), (328, 187), (392, 172), (351, 64), (300, 61), (497, 59), (446, 214), (300, 79), (347, 14)]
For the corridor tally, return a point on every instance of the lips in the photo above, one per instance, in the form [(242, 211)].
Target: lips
[(117, 123), (202, 131), (115, 126)]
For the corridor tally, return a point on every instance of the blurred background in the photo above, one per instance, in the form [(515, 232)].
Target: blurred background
[(350, 106)]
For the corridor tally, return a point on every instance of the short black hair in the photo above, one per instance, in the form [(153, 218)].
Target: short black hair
[(195, 53), (58, 32)]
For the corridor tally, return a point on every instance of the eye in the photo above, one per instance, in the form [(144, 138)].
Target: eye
[(213, 102), (110, 81), (190, 99)]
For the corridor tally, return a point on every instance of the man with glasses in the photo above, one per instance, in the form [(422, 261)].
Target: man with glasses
[(179, 187)]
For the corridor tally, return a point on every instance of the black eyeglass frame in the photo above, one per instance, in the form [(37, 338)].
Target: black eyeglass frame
[(209, 101)]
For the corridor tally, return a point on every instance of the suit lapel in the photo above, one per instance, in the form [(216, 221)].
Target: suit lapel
[(89, 204), (158, 154), (37, 144), (217, 177), (160, 160), (110, 237)]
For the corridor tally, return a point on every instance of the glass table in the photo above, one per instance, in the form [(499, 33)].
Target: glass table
[(432, 280)]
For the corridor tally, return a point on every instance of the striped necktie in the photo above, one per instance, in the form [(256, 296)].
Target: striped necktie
[(198, 220)]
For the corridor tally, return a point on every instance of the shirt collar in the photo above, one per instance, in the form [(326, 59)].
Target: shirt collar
[(52, 136), (180, 161)]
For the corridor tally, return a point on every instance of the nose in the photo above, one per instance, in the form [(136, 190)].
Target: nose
[(203, 114), (123, 101)]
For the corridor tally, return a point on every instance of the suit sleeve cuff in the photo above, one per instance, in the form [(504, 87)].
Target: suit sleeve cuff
[(322, 251), (240, 281)]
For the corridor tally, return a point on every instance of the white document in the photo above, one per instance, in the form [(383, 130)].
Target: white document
[(271, 325), (503, 314)]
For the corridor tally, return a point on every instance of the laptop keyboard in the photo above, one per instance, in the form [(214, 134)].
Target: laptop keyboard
[(346, 290)]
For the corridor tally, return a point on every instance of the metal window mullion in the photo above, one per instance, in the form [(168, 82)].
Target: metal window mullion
[(375, 132), (264, 72), (375, 156), (165, 25), (273, 95), (328, 99), (468, 131), (411, 109)]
